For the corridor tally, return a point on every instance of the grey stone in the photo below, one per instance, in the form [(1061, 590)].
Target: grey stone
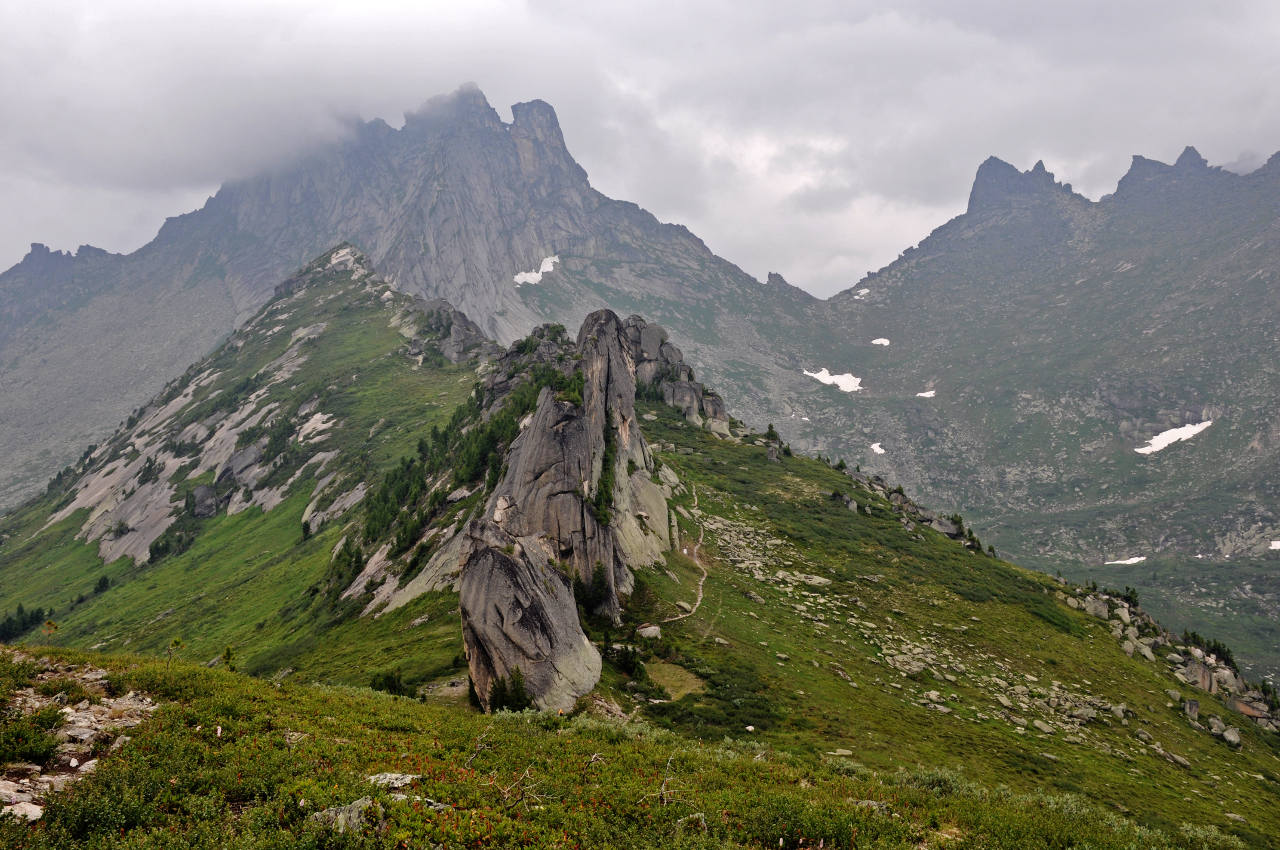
[(1199, 675), (12, 792), (394, 780), (464, 340), (352, 816), (1097, 607), (25, 810), (204, 501), (650, 631), (554, 466), (945, 526), (518, 611), (1226, 679)]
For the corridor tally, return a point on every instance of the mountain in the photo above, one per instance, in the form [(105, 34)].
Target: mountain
[(356, 488), (1036, 343), (496, 218), (1007, 367)]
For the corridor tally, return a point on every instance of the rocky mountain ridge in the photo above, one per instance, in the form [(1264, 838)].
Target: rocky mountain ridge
[(579, 509), (496, 218), (1075, 330), (579, 503), (1041, 341)]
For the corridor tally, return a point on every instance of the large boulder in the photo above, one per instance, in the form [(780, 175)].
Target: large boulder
[(204, 501), (518, 611), (552, 467), (462, 338), (1097, 607), (1199, 675), (686, 396)]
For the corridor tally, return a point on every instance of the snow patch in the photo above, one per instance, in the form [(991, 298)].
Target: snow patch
[(1137, 559), (927, 394), (1275, 544), (877, 448), (879, 341), (547, 266), (846, 382), (861, 293), (1167, 438)]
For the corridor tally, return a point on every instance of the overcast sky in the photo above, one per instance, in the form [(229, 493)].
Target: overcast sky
[(814, 139)]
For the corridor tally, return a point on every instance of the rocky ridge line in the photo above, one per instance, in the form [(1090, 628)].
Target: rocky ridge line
[(543, 525), (126, 482)]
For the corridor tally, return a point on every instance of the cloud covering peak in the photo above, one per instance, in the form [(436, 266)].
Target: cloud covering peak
[(819, 140)]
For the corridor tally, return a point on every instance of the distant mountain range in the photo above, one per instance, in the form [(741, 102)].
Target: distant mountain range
[(1008, 367), (455, 205)]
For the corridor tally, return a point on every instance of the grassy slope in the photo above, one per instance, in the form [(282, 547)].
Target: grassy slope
[(246, 580), (231, 761), (774, 665), (925, 597)]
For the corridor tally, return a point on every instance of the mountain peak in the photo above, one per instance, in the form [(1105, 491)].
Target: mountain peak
[(466, 103), (997, 182), (1144, 172), (537, 118), (1190, 158)]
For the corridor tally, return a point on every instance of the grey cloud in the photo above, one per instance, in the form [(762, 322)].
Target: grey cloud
[(817, 139)]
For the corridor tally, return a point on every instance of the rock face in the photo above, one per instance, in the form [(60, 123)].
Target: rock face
[(519, 611), (131, 505), (464, 339), (555, 468), (578, 499), (494, 216)]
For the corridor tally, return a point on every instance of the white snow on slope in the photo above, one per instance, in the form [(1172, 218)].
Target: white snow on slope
[(1275, 544), (845, 382), (880, 341), (1167, 438), (548, 265), (877, 448), (1138, 559), (927, 394)]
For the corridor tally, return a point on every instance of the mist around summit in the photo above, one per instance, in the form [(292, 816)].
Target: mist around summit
[(854, 427)]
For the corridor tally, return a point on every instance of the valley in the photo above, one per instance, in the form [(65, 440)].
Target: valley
[(734, 643)]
